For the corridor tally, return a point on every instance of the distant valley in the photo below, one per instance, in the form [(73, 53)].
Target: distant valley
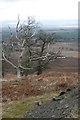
[(62, 34)]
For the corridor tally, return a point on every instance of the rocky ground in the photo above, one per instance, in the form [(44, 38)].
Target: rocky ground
[(65, 105)]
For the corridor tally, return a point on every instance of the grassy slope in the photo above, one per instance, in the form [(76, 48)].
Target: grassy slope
[(17, 109)]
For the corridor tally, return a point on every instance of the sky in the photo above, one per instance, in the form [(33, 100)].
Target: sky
[(39, 9)]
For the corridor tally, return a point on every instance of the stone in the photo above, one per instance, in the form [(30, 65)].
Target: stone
[(66, 106), (62, 93), (53, 116), (39, 103), (68, 89), (56, 98)]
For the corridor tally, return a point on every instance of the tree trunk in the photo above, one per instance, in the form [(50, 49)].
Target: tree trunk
[(26, 72), (2, 69), (39, 68), (18, 72)]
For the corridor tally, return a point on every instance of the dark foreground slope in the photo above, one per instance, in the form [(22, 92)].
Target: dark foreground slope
[(64, 106)]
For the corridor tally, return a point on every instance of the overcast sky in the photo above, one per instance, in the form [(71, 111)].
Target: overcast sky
[(40, 9)]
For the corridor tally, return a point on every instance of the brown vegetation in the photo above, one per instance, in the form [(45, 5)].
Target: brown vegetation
[(36, 85)]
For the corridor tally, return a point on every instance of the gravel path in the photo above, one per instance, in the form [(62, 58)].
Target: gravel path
[(64, 106)]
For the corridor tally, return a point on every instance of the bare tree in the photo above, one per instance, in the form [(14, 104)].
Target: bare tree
[(23, 38), (32, 48), (45, 40)]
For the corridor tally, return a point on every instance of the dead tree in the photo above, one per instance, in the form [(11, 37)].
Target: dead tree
[(23, 44), (44, 56), (39, 67), (28, 50)]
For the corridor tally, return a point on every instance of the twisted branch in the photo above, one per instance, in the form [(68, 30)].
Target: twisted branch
[(8, 61)]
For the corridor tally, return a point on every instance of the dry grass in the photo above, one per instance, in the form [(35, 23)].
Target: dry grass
[(37, 85), (33, 88)]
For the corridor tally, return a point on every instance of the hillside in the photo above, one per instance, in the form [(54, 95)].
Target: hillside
[(19, 96), (64, 106)]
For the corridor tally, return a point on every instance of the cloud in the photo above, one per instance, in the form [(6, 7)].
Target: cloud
[(41, 9), (12, 1), (8, 0)]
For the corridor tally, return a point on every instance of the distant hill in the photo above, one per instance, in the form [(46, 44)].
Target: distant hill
[(59, 23), (64, 29), (63, 34), (46, 23)]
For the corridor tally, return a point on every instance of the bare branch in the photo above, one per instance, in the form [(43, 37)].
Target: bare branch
[(8, 61), (10, 32), (54, 57), (17, 24), (13, 64), (25, 68), (33, 35), (41, 58), (17, 28), (1, 59), (23, 43)]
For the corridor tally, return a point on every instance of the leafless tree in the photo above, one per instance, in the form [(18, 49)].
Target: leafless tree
[(23, 38), (32, 48), (44, 56)]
